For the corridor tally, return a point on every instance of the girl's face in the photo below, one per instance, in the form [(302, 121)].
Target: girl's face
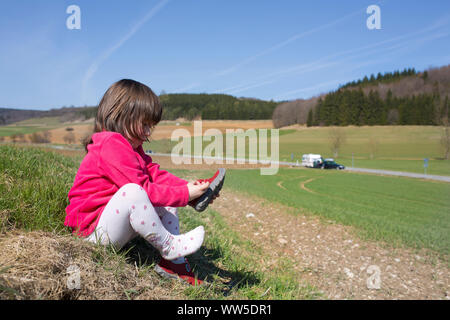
[(137, 142)]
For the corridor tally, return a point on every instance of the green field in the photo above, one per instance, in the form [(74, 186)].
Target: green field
[(398, 148), (30, 126), (396, 210)]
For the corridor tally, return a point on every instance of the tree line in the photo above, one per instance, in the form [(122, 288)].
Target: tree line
[(387, 77), (395, 98), (214, 107), (353, 107)]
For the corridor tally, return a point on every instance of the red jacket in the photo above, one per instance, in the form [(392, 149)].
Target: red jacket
[(110, 163)]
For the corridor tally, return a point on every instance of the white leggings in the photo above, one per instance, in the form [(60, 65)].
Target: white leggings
[(130, 213)]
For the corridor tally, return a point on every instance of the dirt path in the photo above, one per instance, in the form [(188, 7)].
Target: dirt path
[(332, 257)]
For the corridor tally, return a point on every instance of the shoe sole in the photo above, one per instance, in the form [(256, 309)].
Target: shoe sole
[(163, 273), (213, 190)]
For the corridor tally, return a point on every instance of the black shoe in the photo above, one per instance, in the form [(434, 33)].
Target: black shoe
[(216, 183)]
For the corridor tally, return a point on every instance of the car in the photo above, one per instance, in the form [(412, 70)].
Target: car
[(330, 164)]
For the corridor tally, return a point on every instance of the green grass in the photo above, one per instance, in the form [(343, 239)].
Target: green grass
[(30, 126), (33, 195), (398, 148), (396, 210), (435, 167), (33, 188)]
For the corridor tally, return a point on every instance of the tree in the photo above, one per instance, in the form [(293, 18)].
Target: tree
[(373, 147), (21, 137), (69, 138), (14, 138), (392, 117), (336, 139), (37, 137), (310, 120), (445, 137)]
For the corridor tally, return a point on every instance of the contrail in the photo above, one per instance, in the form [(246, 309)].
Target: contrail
[(108, 52), (286, 42), (322, 62), (401, 46)]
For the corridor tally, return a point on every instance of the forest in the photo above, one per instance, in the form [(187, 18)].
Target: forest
[(214, 107), (403, 97)]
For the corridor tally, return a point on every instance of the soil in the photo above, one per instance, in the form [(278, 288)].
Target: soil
[(332, 257)]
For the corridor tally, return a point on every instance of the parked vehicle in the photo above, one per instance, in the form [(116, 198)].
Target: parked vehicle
[(312, 160), (331, 164)]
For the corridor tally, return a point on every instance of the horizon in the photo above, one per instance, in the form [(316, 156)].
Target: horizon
[(256, 50)]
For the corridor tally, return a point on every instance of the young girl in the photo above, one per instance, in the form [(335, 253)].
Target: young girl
[(119, 193)]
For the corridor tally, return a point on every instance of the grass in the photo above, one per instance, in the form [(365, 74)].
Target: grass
[(228, 257), (398, 148), (396, 210), (30, 126), (33, 188), (33, 195)]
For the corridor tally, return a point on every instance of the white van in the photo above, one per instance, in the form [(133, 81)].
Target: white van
[(309, 160)]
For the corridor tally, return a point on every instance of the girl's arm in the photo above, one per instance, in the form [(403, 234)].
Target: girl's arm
[(159, 176), (121, 165)]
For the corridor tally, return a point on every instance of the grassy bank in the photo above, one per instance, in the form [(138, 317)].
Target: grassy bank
[(33, 195)]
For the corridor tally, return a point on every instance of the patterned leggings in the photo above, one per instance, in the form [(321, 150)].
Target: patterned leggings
[(129, 213)]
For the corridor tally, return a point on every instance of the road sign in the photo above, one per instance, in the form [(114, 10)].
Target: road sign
[(425, 163)]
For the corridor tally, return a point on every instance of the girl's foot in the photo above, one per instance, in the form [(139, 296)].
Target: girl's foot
[(183, 271), (177, 246)]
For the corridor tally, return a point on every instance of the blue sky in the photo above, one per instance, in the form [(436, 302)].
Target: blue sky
[(280, 50)]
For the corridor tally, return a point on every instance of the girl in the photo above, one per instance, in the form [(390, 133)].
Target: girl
[(119, 193)]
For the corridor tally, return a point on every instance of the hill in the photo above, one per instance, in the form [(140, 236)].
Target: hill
[(395, 98), (188, 106), (65, 114)]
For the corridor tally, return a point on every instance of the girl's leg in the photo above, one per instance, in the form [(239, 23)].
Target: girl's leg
[(170, 220), (114, 224), (130, 213), (179, 267)]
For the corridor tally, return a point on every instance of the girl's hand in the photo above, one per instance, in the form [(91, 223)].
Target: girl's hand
[(196, 189)]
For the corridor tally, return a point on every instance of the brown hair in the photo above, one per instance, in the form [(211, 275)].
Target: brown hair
[(125, 108)]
